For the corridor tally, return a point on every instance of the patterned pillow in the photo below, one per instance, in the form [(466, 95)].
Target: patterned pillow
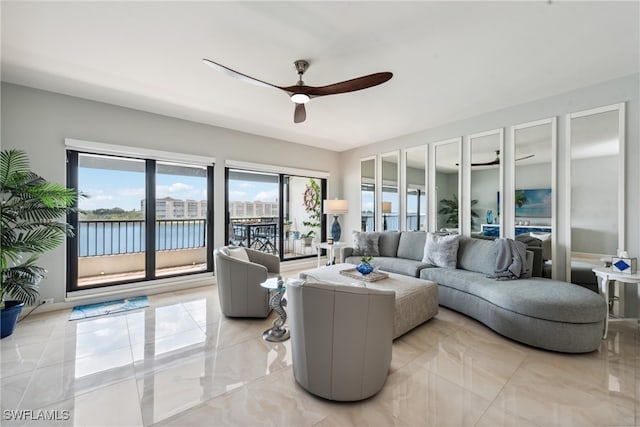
[(365, 243), (441, 251)]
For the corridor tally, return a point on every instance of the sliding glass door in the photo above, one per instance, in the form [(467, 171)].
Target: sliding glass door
[(138, 219), (274, 213)]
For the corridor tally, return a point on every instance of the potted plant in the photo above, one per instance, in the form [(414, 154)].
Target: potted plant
[(307, 238), (31, 209), (449, 208), (312, 205)]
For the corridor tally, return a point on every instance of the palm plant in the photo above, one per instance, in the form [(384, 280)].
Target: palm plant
[(449, 208), (31, 209)]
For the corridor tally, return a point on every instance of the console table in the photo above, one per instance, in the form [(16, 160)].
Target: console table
[(604, 276), (494, 229)]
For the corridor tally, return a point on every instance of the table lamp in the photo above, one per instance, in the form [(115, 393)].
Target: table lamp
[(386, 209), (335, 207)]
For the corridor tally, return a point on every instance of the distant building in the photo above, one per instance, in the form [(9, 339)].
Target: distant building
[(169, 208), (255, 209)]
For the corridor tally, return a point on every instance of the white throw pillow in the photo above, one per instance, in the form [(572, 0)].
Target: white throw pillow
[(239, 253), (441, 251)]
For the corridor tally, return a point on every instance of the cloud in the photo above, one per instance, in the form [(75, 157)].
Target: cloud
[(237, 196), (267, 196), (177, 190), (131, 192)]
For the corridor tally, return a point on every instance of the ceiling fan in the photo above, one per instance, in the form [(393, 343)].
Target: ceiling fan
[(300, 93), (496, 161)]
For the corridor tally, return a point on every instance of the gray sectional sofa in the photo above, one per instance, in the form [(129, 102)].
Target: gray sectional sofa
[(540, 312)]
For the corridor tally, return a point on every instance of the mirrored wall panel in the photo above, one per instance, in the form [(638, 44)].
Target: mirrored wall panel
[(390, 206), (447, 166), (416, 185), (368, 194), (486, 167), (533, 174), (595, 198)]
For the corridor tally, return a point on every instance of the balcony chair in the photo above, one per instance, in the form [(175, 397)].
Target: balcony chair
[(239, 272), (341, 338)]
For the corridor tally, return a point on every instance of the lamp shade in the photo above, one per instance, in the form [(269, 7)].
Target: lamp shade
[(335, 207), (386, 207)]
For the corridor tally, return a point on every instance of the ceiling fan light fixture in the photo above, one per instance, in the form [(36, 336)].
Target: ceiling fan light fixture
[(300, 98)]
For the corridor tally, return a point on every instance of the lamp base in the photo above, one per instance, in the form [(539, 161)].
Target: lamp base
[(335, 229)]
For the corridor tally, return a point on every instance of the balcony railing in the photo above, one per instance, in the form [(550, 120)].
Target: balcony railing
[(113, 237)]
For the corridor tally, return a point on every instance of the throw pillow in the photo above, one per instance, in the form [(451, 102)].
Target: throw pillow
[(365, 243), (239, 253), (441, 251)]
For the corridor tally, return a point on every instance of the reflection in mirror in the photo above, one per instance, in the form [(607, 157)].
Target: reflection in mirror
[(368, 194), (595, 147), (534, 200), (447, 161), (486, 160), (390, 197), (416, 200)]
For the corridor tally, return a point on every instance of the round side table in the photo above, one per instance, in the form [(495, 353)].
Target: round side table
[(277, 302)]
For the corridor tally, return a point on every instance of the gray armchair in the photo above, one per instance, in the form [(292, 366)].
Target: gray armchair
[(341, 338), (239, 280)]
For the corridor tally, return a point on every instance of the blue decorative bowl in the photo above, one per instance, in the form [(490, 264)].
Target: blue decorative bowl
[(364, 268)]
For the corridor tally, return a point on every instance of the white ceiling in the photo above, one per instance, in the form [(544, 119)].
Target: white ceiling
[(450, 60)]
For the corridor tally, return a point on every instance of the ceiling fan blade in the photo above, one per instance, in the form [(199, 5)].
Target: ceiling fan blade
[(300, 114), (491, 163), (352, 85), (236, 74)]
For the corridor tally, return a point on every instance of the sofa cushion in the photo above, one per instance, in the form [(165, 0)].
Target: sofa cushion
[(239, 253), (388, 243), (441, 251), (407, 267), (411, 245), (366, 243), (535, 297), (477, 255)]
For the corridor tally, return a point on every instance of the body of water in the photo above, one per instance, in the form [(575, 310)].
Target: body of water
[(123, 237)]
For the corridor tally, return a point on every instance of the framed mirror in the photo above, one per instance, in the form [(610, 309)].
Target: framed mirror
[(596, 217), (445, 185), (368, 194), (415, 178), (390, 197), (534, 203), (486, 177)]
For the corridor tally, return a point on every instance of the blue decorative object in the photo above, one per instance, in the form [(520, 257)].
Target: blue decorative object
[(364, 268), (489, 216), (335, 229), (621, 265)]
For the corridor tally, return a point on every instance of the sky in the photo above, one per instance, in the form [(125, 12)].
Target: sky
[(124, 189)]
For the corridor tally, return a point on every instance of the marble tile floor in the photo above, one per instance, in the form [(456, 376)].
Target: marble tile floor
[(179, 362)]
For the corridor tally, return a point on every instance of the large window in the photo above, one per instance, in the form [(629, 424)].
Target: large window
[(139, 219)]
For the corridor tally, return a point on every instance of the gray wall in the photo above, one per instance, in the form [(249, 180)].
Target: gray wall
[(624, 89), (38, 122)]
